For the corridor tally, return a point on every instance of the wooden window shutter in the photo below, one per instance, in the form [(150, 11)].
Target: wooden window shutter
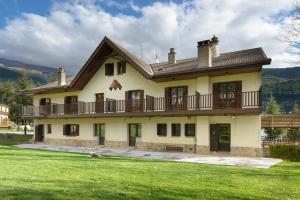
[(185, 97), (197, 99), (215, 95), (141, 100), (107, 69), (127, 104), (238, 93), (167, 98), (149, 103), (65, 129), (124, 67), (77, 130)]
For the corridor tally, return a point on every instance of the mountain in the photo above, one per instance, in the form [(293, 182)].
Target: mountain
[(283, 84), (12, 69)]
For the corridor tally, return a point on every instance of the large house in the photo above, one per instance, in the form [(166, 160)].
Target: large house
[(209, 103)]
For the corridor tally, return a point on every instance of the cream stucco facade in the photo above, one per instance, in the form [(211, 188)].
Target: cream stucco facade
[(244, 129)]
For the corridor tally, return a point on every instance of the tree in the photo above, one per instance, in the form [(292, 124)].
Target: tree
[(293, 134), (273, 108), (291, 31), (20, 99)]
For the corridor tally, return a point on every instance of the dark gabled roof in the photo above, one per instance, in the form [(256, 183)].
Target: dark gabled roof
[(238, 61), (236, 58), (98, 57)]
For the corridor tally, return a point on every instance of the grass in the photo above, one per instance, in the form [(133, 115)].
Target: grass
[(34, 174), (12, 139)]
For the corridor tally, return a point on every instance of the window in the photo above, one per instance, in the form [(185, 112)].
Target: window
[(227, 94), (99, 129), (71, 129), (121, 68), (176, 129), (189, 130), (109, 69), (162, 129), (49, 129)]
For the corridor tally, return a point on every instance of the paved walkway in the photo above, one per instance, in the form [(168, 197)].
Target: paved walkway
[(183, 157)]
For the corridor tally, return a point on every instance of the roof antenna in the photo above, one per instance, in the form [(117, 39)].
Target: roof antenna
[(156, 56), (142, 51)]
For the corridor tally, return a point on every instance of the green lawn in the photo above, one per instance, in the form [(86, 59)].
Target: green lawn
[(34, 174), (12, 139)]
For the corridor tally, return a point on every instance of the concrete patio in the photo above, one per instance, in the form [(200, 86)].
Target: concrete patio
[(182, 157)]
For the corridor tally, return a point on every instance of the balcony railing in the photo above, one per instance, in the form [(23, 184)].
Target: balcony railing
[(241, 100)]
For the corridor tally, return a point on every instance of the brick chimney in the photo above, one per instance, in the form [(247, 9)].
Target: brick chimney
[(172, 56), (61, 76), (204, 53), (215, 46)]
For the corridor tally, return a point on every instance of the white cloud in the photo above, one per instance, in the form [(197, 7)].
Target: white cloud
[(73, 30)]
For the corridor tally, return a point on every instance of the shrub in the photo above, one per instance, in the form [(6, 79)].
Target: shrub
[(285, 151)]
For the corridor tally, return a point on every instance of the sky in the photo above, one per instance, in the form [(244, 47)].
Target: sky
[(65, 33)]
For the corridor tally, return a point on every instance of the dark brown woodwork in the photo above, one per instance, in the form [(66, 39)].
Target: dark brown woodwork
[(198, 103), (149, 103), (71, 105), (134, 101), (99, 104), (45, 106), (39, 133), (167, 99), (216, 143), (111, 105), (238, 94), (121, 68), (127, 103), (227, 99), (188, 105)]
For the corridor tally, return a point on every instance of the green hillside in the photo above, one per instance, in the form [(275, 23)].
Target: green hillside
[(283, 84), (13, 75)]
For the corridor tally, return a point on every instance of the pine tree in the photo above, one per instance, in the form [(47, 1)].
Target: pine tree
[(273, 108), (20, 99)]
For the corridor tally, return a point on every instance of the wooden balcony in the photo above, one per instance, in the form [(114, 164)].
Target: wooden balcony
[(207, 104)]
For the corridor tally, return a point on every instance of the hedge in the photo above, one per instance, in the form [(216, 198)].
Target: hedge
[(285, 151)]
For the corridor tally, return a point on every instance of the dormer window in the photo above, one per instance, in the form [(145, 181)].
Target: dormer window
[(121, 68), (109, 69)]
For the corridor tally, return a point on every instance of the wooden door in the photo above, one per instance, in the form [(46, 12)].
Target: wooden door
[(99, 107), (71, 105), (214, 144), (227, 94), (220, 137), (45, 106), (136, 100), (176, 98), (39, 133)]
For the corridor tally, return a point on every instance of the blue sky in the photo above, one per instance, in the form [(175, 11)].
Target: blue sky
[(64, 33), (10, 9)]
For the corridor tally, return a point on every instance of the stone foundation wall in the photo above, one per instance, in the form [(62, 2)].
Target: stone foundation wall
[(234, 151), (246, 151), (116, 144), (70, 142), (187, 148)]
